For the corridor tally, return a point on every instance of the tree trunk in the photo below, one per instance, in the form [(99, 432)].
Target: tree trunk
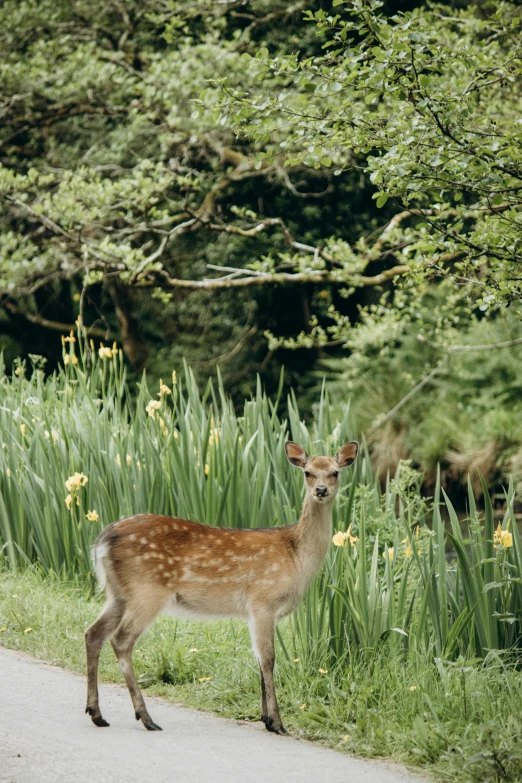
[(133, 343)]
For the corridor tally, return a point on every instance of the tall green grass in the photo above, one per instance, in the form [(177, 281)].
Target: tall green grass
[(184, 451)]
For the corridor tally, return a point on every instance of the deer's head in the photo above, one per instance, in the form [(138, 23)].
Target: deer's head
[(322, 473)]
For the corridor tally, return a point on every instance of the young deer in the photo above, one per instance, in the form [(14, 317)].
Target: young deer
[(148, 564)]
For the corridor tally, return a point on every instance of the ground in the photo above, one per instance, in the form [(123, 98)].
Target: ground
[(47, 737)]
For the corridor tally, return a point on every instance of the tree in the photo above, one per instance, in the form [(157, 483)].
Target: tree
[(115, 187), (121, 186), (428, 105)]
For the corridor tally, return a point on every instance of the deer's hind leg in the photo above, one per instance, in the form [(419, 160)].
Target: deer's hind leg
[(95, 636)]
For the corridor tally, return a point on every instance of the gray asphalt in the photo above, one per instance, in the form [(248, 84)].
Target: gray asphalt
[(46, 738)]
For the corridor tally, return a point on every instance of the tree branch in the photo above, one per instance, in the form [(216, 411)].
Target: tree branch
[(93, 331), (462, 348), (410, 394)]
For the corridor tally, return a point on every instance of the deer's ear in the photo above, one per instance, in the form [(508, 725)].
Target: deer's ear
[(347, 454), (296, 454)]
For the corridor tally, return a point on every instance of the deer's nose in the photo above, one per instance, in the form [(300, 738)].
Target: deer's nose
[(321, 491)]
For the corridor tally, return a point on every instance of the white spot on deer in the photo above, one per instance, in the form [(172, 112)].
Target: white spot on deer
[(275, 567), (146, 557), (170, 560), (143, 541), (132, 537), (152, 546)]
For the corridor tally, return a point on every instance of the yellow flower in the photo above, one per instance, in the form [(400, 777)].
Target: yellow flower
[(174, 377), (128, 460), (323, 671), (507, 539), (193, 649), (152, 407), (76, 297), (23, 430), (74, 483), (207, 469), (176, 434), (503, 537), (163, 389), (2, 630), (104, 352), (68, 501), (213, 438), (409, 551), (18, 371), (92, 516), (352, 539), (341, 538), (296, 660), (389, 552), (204, 679), (70, 339), (303, 706), (413, 687), (28, 630), (345, 738), (70, 358)]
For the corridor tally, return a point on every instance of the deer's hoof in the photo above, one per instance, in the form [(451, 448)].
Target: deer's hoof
[(273, 726), (151, 726), (96, 717)]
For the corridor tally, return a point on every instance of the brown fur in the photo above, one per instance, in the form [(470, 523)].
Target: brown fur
[(154, 563)]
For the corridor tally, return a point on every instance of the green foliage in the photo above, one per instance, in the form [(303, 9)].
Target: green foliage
[(428, 104), (116, 173), (180, 452), (466, 418)]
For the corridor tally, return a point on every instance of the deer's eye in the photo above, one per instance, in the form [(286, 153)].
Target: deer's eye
[(335, 473), (307, 474)]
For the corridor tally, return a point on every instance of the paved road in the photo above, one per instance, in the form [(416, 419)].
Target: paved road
[(46, 738)]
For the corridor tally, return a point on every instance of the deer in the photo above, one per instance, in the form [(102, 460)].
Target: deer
[(149, 564)]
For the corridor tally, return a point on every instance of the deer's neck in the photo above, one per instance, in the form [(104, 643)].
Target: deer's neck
[(313, 533)]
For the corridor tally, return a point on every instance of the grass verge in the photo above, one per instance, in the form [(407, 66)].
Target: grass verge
[(459, 721)]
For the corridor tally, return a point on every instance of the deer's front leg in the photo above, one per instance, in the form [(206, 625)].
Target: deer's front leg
[(262, 632)]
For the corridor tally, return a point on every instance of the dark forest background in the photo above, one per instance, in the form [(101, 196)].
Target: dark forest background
[(114, 139)]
